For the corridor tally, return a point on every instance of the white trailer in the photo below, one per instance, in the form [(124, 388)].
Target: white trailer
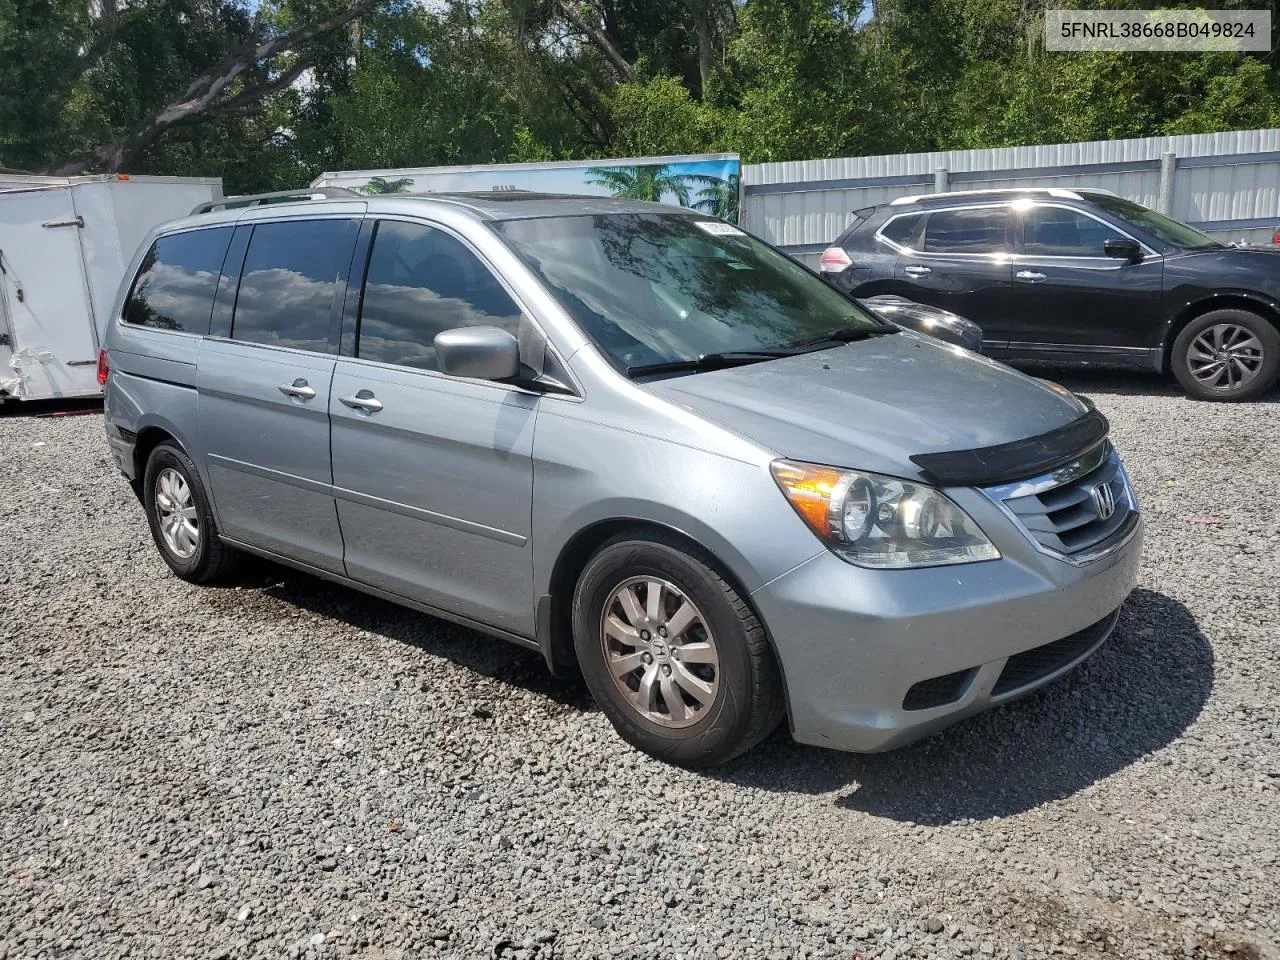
[(65, 243)]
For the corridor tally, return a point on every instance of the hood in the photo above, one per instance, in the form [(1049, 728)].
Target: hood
[(873, 403)]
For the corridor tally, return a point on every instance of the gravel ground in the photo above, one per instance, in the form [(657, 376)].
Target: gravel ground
[(287, 768)]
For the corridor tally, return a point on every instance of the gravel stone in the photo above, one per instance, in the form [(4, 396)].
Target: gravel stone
[(282, 767)]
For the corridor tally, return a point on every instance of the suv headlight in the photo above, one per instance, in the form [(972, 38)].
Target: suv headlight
[(877, 521)]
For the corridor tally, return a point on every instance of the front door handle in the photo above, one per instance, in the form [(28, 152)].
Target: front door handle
[(917, 271), (299, 390), (362, 400), (1028, 276)]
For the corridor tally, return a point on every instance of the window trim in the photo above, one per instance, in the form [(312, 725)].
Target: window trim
[(124, 324), (355, 316)]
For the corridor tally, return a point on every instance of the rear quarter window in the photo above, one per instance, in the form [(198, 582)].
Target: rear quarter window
[(175, 284), (902, 230)]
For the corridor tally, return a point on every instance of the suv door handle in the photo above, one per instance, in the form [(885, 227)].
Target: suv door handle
[(299, 390), (1028, 276), (362, 400), (917, 271)]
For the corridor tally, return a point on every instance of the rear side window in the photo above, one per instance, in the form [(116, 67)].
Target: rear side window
[(975, 230), (291, 273), (422, 281), (902, 230), (176, 282)]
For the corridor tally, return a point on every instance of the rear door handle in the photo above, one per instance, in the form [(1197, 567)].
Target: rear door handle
[(1028, 276), (362, 400), (917, 271), (299, 390)]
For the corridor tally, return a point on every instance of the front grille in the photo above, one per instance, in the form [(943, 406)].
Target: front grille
[(938, 691), (1065, 511), (1026, 668)]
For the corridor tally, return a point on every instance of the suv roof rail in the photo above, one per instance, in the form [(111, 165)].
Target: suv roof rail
[(961, 194), (280, 196)]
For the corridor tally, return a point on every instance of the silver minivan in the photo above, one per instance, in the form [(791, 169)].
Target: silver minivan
[(631, 437)]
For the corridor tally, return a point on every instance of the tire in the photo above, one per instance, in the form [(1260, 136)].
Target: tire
[(1251, 341), (210, 559), (724, 707)]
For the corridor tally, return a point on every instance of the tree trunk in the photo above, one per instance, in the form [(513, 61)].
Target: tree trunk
[(203, 97), (600, 38)]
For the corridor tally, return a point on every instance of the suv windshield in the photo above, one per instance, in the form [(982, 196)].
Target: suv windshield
[(1163, 228), (654, 288)]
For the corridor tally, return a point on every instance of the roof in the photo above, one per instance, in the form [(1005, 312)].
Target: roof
[(518, 204)]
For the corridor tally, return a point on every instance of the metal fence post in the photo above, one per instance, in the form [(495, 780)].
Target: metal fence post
[(941, 180), (1164, 200)]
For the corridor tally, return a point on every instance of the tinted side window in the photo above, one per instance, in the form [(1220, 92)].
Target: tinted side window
[(901, 230), (1058, 232), (422, 281), (287, 286), (175, 284), (980, 230)]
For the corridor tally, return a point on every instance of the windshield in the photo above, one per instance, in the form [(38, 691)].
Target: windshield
[(666, 288), (1166, 229)]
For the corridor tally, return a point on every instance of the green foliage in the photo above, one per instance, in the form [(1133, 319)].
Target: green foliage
[(479, 81)]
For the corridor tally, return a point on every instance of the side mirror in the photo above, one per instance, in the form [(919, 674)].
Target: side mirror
[(1123, 249), (483, 353)]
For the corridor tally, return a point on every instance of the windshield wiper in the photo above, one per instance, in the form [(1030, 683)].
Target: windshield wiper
[(849, 335), (712, 361)]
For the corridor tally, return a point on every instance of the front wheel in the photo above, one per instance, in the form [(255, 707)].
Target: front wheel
[(1227, 355), (674, 656)]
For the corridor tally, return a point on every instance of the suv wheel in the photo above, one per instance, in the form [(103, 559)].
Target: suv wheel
[(181, 523), (673, 655), (1227, 355)]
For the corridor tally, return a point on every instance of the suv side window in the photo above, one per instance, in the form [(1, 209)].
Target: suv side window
[(972, 230), (176, 281), (1059, 232), (287, 287), (422, 281), (902, 230)]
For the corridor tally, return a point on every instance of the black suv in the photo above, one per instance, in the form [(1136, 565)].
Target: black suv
[(1076, 275)]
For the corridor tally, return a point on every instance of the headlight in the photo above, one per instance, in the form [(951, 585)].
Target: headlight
[(877, 521)]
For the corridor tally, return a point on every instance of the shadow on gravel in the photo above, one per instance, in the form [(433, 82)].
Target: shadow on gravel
[(1135, 695), (487, 656), (1109, 381)]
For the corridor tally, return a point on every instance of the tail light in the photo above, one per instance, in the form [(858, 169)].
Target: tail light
[(834, 260), (104, 368), (1275, 237)]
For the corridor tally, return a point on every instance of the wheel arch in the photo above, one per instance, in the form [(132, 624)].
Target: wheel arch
[(1268, 309), (148, 438), (555, 608)]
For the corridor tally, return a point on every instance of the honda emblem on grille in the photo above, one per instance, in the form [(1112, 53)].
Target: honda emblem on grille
[(1104, 500)]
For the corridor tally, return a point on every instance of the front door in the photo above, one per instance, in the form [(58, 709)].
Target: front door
[(433, 474), (963, 265), (264, 392), (1071, 301)]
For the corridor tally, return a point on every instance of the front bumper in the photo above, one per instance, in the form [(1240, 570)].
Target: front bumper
[(858, 647)]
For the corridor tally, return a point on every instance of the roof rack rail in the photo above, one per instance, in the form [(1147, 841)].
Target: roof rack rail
[(1062, 192), (281, 196)]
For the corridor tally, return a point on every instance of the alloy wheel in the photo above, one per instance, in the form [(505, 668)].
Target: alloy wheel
[(660, 652), (176, 514), (1225, 356)]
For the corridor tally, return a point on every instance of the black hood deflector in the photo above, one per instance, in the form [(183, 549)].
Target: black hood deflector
[(1018, 459)]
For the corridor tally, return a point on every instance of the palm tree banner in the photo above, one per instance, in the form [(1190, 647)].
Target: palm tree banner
[(710, 183)]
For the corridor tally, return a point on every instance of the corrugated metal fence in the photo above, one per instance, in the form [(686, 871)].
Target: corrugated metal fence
[(1225, 183)]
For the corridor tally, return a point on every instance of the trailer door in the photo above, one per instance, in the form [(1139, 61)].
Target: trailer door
[(52, 349)]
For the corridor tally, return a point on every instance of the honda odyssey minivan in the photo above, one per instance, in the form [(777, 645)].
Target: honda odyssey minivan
[(631, 437)]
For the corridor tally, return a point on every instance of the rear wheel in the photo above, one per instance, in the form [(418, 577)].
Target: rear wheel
[(674, 656), (180, 519), (1227, 355)]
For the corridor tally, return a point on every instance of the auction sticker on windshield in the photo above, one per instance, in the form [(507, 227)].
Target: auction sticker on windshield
[(718, 229)]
